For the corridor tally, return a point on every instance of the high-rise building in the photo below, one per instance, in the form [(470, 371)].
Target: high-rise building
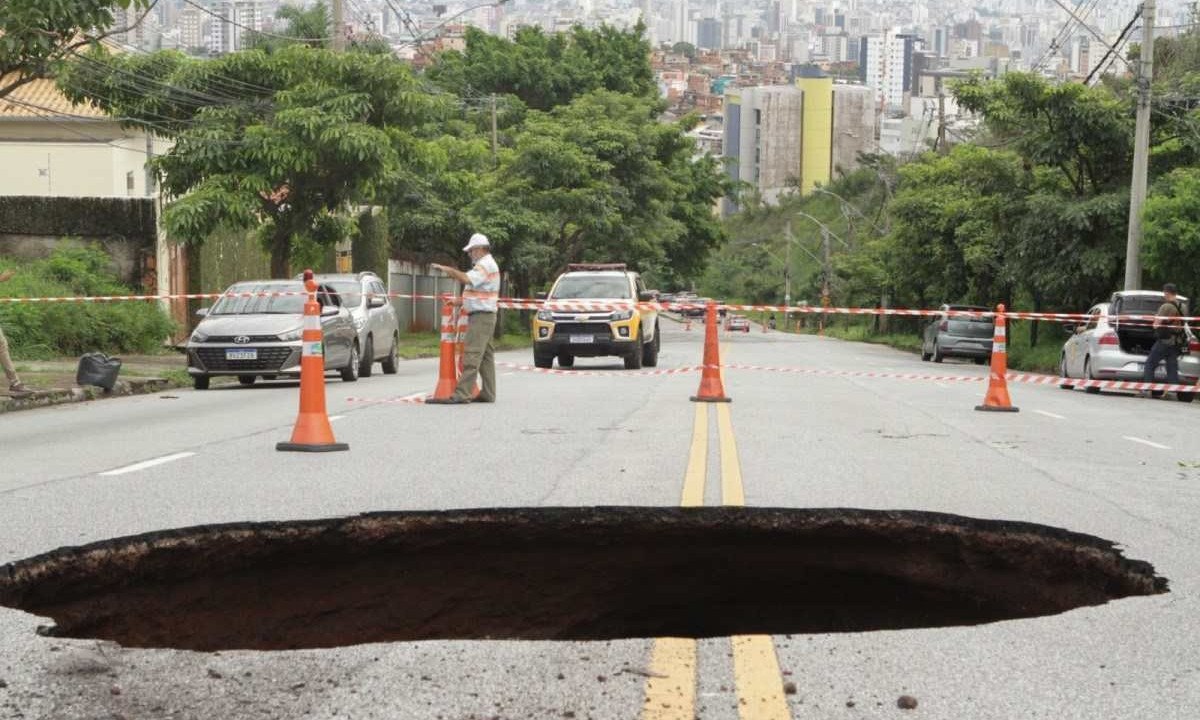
[(779, 137), (237, 20), (708, 34), (885, 66), (941, 41), (191, 28)]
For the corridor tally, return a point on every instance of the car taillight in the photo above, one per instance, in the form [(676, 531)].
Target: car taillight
[(1194, 346), (944, 325), (1109, 338)]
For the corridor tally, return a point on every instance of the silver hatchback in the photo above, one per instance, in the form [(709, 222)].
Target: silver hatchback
[(254, 331), (952, 335)]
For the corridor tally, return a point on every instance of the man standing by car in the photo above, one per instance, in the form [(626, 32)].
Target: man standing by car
[(1169, 333), (16, 388), (480, 301)]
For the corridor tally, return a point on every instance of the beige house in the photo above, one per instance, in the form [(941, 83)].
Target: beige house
[(52, 147)]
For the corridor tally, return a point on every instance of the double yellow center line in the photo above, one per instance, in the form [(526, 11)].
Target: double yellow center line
[(671, 687)]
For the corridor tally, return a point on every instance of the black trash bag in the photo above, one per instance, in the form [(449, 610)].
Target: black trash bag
[(98, 369)]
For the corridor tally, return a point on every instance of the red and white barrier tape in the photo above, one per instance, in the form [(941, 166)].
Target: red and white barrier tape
[(584, 306)]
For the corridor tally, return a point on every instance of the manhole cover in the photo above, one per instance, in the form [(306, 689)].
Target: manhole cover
[(565, 574)]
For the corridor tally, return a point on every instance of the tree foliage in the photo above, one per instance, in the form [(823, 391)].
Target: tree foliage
[(324, 131), (37, 36), (547, 70)]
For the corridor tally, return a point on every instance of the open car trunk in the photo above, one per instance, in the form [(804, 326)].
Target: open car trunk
[(1137, 336)]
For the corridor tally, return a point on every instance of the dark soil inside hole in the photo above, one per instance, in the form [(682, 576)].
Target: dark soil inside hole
[(565, 574)]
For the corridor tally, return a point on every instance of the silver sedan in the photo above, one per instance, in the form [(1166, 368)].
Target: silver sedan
[(1095, 351)]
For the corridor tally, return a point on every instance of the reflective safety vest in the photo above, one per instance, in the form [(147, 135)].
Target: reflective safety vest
[(483, 294)]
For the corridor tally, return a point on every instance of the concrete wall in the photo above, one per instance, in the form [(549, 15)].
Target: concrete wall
[(816, 148), (418, 314), (853, 125)]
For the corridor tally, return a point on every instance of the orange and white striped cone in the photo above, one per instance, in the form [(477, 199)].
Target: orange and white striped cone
[(460, 345), (996, 399), (711, 387), (312, 432), (448, 363)]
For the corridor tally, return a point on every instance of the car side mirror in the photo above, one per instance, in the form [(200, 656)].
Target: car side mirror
[(330, 310), (541, 295), (202, 312), (648, 295), (376, 301)]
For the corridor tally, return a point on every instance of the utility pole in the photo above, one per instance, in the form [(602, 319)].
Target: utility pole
[(339, 25), (495, 143), (941, 136), (787, 267), (1141, 152)]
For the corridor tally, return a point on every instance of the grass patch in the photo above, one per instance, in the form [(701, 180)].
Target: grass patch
[(429, 344)]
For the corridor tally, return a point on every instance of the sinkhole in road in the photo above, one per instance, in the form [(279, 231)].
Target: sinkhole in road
[(565, 574)]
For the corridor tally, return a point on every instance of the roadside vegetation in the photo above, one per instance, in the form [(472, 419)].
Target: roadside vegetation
[(40, 331)]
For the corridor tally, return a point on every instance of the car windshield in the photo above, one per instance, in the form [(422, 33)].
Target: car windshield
[(260, 299), (350, 292), (592, 287)]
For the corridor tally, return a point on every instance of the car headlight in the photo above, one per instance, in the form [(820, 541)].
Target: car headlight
[(545, 315), (622, 315), (199, 337), (292, 336)]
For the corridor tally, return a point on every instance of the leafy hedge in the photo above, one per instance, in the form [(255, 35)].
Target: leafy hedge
[(37, 330), (92, 217)]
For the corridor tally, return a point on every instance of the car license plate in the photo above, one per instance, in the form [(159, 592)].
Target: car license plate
[(582, 339), (241, 354)]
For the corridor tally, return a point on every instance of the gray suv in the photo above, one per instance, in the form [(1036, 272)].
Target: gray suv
[(255, 332), (374, 317)]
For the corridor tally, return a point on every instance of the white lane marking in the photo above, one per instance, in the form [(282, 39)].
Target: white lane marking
[(147, 464), (333, 418), (1050, 414), (1146, 442)]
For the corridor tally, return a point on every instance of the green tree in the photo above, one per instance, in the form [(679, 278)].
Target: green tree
[(287, 157), (1172, 229), (37, 36), (305, 26), (685, 49), (548, 70)]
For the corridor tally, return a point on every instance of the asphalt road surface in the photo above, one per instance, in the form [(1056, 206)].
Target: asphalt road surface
[(1114, 466)]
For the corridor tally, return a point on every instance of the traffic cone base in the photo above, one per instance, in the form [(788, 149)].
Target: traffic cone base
[(991, 408), (300, 447), (711, 387)]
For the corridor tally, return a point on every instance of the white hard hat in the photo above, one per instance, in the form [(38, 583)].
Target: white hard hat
[(477, 240)]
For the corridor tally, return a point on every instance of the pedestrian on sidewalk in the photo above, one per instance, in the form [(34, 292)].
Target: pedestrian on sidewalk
[(480, 300), (16, 388), (1170, 337)]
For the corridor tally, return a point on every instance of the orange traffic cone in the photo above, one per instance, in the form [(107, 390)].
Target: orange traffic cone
[(711, 387), (448, 366), (312, 432), (996, 399)]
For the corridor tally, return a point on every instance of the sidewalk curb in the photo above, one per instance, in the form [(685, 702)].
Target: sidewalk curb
[(49, 398)]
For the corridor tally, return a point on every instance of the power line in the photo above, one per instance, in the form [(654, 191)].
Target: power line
[(1116, 48)]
